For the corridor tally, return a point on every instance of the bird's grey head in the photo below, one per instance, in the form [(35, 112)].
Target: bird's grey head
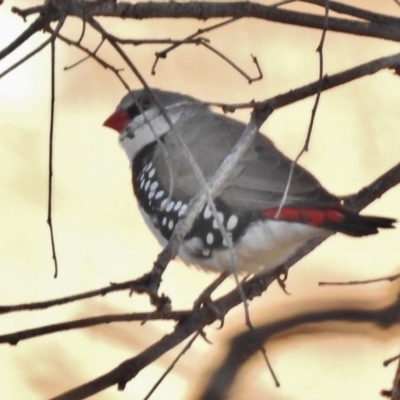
[(143, 116)]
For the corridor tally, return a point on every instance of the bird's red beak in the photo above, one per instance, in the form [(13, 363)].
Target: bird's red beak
[(119, 120)]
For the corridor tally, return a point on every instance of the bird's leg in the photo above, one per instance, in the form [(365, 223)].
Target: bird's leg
[(205, 296), (145, 285)]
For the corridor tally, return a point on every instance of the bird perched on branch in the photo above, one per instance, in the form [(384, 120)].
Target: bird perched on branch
[(264, 226)]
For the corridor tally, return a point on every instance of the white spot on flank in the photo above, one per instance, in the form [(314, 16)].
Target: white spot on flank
[(154, 185), (151, 173), (209, 238), (163, 204), (159, 194), (146, 186), (148, 166), (232, 222), (164, 221), (141, 184), (207, 212), (170, 225), (151, 194), (182, 210), (178, 205), (170, 206)]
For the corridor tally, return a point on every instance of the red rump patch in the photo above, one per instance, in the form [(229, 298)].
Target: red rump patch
[(310, 216)]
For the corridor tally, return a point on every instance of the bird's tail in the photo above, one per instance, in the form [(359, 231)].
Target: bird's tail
[(337, 219)]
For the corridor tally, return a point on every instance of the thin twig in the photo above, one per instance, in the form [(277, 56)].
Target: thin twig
[(390, 360), (170, 368), (174, 42), (50, 176), (313, 112), (282, 3), (390, 278), (90, 55), (269, 366), (164, 53), (234, 66)]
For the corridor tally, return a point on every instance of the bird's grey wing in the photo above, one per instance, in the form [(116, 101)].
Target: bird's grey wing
[(209, 148), (262, 176), (258, 180)]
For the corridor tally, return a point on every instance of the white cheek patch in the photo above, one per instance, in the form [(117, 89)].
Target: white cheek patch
[(144, 129)]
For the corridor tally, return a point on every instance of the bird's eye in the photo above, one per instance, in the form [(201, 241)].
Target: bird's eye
[(140, 105), (133, 110)]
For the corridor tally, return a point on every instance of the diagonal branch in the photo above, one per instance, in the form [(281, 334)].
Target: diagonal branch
[(39, 24), (38, 49)]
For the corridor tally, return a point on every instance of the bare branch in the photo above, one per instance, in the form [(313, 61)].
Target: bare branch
[(37, 50), (234, 66), (138, 286), (15, 337), (390, 278), (355, 12), (164, 53), (331, 81), (39, 24), (378, 25), (383, 27)]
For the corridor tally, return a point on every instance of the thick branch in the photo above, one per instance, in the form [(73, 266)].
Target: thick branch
[(329, 82), (389, 29), (40, 23), (378, 25)]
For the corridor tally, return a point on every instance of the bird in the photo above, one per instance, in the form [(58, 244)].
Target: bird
[(263, 225)]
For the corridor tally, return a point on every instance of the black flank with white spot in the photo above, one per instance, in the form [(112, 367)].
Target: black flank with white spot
[(165, 213)]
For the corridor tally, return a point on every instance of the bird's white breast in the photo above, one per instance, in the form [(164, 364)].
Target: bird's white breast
[(265, 245)]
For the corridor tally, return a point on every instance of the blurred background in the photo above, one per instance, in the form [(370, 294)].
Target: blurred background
[(101, 238)]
